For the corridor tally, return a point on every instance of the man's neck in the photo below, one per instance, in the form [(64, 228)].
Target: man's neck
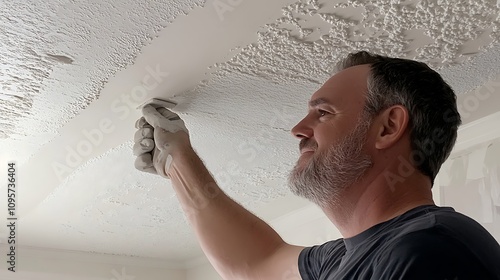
[(365, 205)]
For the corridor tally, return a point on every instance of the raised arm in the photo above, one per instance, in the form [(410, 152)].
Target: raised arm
[(238, 244)]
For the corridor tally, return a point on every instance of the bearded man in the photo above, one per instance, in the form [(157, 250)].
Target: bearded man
[(372, 143)]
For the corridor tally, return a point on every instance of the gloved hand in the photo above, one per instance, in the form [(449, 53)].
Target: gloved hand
[(160, 133)]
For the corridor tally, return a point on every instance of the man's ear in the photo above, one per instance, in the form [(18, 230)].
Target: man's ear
[(392, 123)]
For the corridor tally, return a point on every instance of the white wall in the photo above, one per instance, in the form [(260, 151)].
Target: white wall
[(203, 271), (470, 178), (41, 264)]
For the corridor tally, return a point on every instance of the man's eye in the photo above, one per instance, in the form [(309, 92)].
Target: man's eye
[(322, 112)]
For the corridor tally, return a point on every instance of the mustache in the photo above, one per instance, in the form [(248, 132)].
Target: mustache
[(308, 143)]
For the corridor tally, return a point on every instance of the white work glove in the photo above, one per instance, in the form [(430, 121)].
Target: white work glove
[(160, 132)]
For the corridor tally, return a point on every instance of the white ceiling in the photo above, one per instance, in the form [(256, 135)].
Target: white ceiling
[(241, 71)]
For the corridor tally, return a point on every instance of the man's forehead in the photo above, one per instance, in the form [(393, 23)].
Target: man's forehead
[(348, 82), (358, 73), (318, 101)]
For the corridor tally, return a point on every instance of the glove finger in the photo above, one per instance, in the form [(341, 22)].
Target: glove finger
[(168, 114), (140, 123), (162, 138), (152, 116), (144, 163), (175, 121), (162, 161), (143, 146), (143, 133)]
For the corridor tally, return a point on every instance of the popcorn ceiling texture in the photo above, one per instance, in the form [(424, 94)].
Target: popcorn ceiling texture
[(55, 63), (301, 46), (57, 55), (473, 73)]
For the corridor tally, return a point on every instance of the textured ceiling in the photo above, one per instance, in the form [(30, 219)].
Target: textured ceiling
[(57, 55), (65, 63)]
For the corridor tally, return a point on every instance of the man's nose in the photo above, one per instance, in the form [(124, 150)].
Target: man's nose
[(302, 129)]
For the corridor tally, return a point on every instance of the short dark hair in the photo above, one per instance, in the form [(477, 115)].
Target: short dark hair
[(430, 101)]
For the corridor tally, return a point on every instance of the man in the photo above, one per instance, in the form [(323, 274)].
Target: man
[(371, 145)]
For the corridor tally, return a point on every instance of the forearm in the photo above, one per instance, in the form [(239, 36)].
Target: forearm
[(234, 239)]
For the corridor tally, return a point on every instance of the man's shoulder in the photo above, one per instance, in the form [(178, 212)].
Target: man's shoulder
[(438, 239), (427, 253), (440, 227), (327, 249), (437, 220), (429, 240)]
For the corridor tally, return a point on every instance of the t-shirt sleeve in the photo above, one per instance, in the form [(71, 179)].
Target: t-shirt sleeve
[(312, 259), (427, 255)]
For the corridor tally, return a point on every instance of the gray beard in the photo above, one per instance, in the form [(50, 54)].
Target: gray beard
[(326, 176)]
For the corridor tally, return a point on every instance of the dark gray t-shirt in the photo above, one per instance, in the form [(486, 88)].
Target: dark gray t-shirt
[(427, 242)]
